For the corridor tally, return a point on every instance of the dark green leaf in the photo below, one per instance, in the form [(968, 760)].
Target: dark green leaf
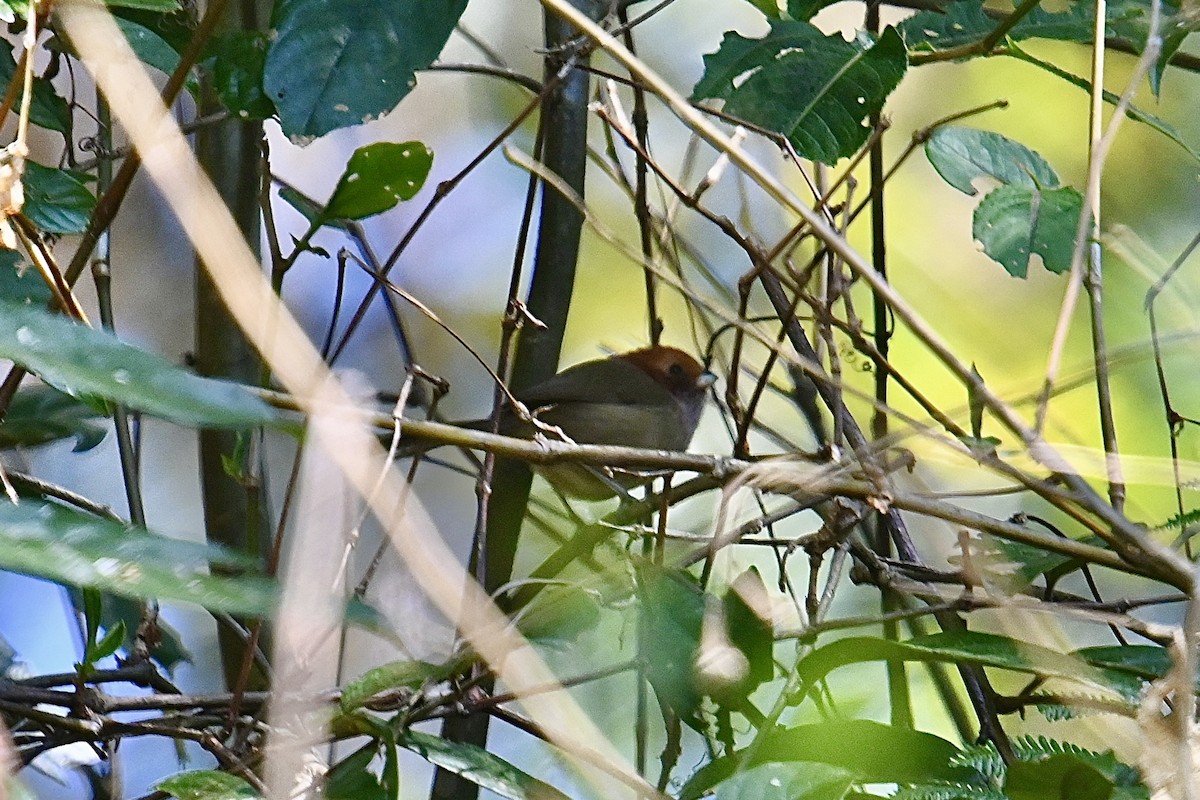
[(237, 70), (336, 63), (41, 414), (168, 651), (395, 675), (55, 200), (750, 633), (815, 89), (806, 9), (20, 282), (352, 779), (787, 781), (81, 360), (1032, 561), (48, 110), (1060, 777), (1014, 224), (478, 766), (965, 646), (377, 177), (1147, 661), (871, 751), (672, 612), (67, 547), (150, 48), (559, 614), (964, 155), (207, 785)]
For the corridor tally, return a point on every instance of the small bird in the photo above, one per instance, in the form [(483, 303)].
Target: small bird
[(650, 398)]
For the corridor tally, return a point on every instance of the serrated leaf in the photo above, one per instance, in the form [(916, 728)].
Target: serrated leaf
[(64, 546), (1014, 223), (1060, 777), (81, 360), (42, 414), (207, 785), (787, 781), (963, 155), (239, 59), (970, 647), (333, 63), (377, 177), (55, 200), (1149, 662), (965, 22), (394, 675), (816, 90), (478, 766), (871, 751)]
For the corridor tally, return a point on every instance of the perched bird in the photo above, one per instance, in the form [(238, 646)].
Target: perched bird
[(650, 398)]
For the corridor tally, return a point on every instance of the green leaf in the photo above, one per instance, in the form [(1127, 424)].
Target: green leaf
[(150, 48), (48, 110), (81, 360), (970, 647), (1014, 224), (750, 633), (207, 785), (672, 612), (871, 751), (42, 414), (352, 779), (1028, 214), (395, 675), (61, 545), (108, 644), (55, 200), (816, 90), (966, 22), (478, 766), (1060, 777), (963, 155), (787, 781), (20, 282), (559, 614), (377, 177), (336, 63), (169, 650), (1146, 661), (239, 59)]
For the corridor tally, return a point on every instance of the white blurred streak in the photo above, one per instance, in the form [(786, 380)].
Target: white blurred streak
[(308, 624), (236, 272)]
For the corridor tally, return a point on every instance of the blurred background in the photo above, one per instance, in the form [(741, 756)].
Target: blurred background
[(459, 265)]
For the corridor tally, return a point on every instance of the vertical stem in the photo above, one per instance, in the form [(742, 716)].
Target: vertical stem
[(564, 122), (233, 512), (1094, 276)]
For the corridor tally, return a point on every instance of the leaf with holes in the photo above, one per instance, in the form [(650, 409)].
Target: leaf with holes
[(377, 177), (816, 90), (337, 63)]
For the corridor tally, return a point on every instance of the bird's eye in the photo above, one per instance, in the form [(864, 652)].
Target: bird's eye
[(676, 370)]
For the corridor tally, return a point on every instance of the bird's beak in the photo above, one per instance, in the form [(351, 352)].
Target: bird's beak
[(706, 379)]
